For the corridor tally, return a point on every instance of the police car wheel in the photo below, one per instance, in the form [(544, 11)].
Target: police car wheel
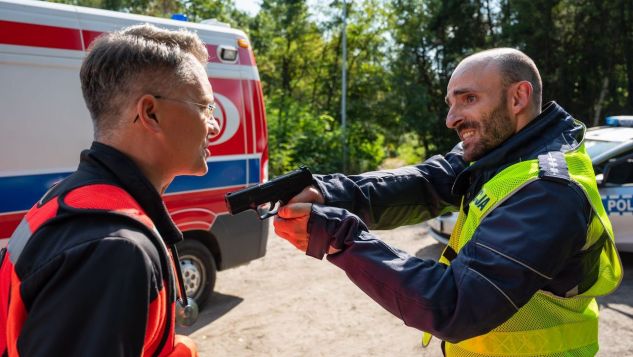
[(198, 270)]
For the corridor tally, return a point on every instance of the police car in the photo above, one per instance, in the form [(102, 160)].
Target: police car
[(611, 150)]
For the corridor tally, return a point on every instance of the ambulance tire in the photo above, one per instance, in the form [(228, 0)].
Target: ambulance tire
[(198, 270)]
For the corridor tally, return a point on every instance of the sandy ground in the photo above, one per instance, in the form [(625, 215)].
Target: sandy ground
[(289, 304)]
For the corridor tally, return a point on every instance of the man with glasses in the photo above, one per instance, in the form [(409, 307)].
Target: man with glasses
[(91, 269), (532, 246)]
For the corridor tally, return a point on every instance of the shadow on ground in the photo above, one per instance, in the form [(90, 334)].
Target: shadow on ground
[(217, 306), (432, 251)]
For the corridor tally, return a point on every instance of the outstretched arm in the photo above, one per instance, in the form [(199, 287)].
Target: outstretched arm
[(391, 198), (522, 247)]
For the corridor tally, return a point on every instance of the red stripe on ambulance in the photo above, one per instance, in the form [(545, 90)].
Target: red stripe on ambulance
[(24, 34)]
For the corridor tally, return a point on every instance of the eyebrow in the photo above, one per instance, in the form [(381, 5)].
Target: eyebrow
[(457, 92)]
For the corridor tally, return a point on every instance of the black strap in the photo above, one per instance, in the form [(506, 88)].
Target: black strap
[(449, 253)]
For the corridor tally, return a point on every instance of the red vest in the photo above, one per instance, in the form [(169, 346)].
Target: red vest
[(102, 197)]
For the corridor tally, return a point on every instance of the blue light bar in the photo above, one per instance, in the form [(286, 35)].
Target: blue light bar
[(620, 120), (179, 17)]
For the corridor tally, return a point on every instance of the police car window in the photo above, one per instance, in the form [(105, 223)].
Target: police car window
[(621, 172), (596, 147)]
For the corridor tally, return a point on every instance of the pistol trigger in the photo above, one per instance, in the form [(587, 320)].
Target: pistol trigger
[(275, 208)]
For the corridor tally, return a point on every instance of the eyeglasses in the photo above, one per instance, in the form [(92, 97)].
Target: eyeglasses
[(207, 108)]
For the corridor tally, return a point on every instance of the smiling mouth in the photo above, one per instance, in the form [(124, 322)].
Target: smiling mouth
[(467, 133)]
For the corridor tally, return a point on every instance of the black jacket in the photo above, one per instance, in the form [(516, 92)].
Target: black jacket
[(531, 242), (88, 279)]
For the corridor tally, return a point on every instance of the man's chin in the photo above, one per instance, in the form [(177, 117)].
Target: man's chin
[(201, 170), (468, 153), (472, 155)]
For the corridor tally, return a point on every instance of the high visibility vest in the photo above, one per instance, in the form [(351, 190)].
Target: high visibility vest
[(547, 325), (159, 335)]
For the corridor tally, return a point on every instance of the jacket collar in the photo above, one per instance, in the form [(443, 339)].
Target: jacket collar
[(104, 160), (552, 130)]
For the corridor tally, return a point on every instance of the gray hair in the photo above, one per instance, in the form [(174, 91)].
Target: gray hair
[(123, 65), (516, 66)]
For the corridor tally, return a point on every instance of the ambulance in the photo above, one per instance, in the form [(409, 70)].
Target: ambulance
[(44, 125)]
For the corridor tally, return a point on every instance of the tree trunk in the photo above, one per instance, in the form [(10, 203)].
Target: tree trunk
[(598, 106), (628, 50)]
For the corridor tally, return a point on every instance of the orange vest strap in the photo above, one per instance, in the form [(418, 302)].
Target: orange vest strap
[(109, 198)]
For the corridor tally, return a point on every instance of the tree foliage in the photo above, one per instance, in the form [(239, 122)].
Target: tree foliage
[(401, 54)]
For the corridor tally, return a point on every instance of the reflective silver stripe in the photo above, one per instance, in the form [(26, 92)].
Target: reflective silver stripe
[(514, 260), (18, 240), (496, 287)]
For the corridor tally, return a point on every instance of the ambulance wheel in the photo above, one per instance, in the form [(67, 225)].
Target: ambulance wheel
[(198, 270)]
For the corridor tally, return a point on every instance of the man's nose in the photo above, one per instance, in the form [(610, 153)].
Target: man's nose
[(213, 127), (453, 118)]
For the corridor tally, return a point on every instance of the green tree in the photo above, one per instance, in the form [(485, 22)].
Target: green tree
[(583, 50), (431, 37)]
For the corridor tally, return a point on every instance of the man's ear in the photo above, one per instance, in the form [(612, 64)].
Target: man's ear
[(146, 113), (520, 96)]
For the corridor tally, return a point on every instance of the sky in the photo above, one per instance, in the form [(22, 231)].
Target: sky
[(250, 6)]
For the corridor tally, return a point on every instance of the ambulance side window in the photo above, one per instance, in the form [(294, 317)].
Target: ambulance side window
[(620, 171)]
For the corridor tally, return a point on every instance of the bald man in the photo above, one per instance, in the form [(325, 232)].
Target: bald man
[(532, 246)]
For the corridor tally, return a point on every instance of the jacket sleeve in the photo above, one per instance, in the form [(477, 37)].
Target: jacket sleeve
[(521, 247), (91, 300), (391, 198)]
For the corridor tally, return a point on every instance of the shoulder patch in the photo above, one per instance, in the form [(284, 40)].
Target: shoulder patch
[(552, 166)]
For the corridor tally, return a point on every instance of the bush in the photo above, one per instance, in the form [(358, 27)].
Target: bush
[(300, 137)]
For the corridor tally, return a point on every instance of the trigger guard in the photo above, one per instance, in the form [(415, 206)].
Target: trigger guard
[(272, 212)]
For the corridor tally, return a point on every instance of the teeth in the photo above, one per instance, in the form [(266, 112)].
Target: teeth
[(467, 134)]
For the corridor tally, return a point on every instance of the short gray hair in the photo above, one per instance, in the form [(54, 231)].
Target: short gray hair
[(139, 59), (515, 66)]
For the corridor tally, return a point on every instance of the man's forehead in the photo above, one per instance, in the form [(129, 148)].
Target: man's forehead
[(201, 86), (473, 76)]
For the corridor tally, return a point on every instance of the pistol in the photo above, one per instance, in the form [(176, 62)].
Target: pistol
[(277, 191)]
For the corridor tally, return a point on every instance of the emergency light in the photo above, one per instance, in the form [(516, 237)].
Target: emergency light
[(179, 17), (620, 120)]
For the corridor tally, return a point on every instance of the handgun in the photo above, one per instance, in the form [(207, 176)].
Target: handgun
[(277, 192)]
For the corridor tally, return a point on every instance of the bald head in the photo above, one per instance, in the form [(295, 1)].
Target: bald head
[(491, 96), (512, 65)]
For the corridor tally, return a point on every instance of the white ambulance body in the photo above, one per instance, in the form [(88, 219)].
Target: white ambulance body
[(44, 125)]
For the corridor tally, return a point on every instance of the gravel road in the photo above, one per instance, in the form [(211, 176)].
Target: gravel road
[(288, 304)]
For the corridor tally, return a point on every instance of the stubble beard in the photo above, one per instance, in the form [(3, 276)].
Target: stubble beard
[(494, 128)]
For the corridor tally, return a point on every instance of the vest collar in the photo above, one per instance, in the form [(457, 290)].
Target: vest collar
[(107, 161)]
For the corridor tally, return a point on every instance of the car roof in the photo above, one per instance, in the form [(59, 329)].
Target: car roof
[(609, 133)]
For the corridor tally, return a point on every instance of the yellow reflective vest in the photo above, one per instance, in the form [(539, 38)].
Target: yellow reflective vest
[(547, 325)]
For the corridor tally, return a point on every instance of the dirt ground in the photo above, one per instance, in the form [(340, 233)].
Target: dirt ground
[(288, 304)]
